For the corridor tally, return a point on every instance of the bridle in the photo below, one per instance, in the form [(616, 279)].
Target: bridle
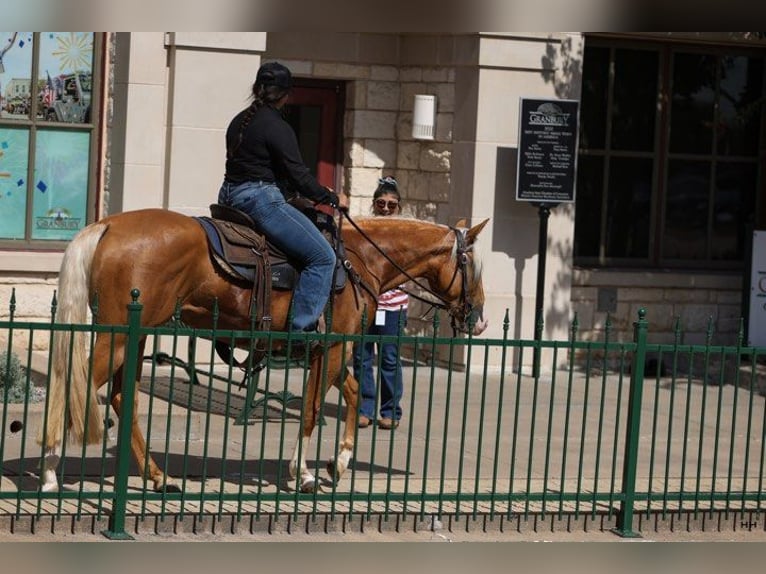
[(464, 307)]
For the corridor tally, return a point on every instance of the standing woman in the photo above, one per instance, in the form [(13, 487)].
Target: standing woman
[(262, 160), (391, 312)]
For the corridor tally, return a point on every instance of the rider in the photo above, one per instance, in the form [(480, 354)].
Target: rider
[(263, 161)]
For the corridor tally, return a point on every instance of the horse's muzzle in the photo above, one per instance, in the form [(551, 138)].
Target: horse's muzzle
[(476, 318), (480, 326)]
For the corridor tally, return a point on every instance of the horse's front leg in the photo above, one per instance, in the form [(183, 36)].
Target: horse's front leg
[(311, 406), (337, 466), (146, 466)]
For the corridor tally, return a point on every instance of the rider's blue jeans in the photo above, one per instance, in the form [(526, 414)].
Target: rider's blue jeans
[(293, 233)]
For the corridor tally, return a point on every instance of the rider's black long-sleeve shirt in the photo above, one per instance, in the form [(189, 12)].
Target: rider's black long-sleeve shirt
[(269, 152)]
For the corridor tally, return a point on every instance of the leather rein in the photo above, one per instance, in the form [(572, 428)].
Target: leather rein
[(461, 252)]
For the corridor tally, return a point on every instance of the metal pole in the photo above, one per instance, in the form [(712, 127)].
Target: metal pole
[(544, 210), (624, 526), (116, 530)]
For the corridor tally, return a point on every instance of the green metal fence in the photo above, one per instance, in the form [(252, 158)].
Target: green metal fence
[(623, 432)]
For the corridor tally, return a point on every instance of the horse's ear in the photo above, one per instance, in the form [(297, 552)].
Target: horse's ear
[(461, 223), (475, 230)]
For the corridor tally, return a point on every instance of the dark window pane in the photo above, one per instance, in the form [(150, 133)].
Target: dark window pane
[(739, 110), (635, 99), (595, 89), (590, 182), (629, 207), (686, 210), (692, 103), (734, 207)]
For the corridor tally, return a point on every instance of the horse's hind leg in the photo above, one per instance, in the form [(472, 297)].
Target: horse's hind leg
[(79, 379), (147, 468)]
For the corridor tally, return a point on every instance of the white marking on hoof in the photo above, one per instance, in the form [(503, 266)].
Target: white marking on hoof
[(308, 484), (336, 467), (48, 480)]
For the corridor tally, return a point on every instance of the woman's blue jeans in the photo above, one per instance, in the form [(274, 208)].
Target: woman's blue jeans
[(390, 365), (293, 233)]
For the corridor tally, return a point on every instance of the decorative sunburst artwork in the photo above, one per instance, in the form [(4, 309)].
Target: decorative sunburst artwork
[(74, 51)]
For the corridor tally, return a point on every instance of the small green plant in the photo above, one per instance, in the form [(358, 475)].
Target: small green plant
[(13, 383)]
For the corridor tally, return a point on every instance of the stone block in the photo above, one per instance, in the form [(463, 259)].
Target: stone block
[(382, 95), (640, 294), (727, 297), (404, 126), (417, 185), (443, 128), (354, 153), (380, 153), (356, 95), (411, 74), (445, 97), (435, 74), (696, 318), (407, 95), (362, 181), (439, 187), (371, 124), (340, 71), (384, 73), (436, 157), (408, 155), (580, 293), (686, 295)]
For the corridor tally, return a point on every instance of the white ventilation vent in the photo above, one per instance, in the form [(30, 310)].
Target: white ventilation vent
[(424, 117)]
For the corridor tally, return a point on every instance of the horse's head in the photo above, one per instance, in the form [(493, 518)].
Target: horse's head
[(460, 282)]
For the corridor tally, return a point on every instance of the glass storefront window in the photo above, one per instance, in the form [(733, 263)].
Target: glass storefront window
[(675, 182), (47, 147), (14, 161)]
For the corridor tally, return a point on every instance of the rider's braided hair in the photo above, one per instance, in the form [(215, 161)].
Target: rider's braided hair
[(262, 95)]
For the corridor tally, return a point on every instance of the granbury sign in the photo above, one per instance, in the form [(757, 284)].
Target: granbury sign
[(547, 155)]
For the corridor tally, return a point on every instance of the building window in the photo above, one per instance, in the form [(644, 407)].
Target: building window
[(47, 136), (670, 140)]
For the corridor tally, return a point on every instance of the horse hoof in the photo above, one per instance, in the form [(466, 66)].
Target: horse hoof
[(332, 470), (167, 488), (49, 487), (309, 486)]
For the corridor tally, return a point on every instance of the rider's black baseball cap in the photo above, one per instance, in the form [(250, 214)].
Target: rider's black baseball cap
[(274, 74)]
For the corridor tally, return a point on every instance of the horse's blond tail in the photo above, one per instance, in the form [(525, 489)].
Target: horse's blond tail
[(72, 379)]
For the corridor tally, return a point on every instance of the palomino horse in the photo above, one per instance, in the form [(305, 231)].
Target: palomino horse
[(165, 255)]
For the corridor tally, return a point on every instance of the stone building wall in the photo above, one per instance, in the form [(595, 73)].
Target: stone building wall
[(691, 300), (377, 130)]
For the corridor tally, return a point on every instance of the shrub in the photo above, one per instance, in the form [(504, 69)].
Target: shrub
[(13, 383)]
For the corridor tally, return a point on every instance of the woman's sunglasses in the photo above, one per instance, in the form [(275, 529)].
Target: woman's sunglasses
[(382, 204)]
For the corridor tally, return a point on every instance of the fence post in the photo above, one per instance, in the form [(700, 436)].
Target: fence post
[(116, 530), (624, 526)]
